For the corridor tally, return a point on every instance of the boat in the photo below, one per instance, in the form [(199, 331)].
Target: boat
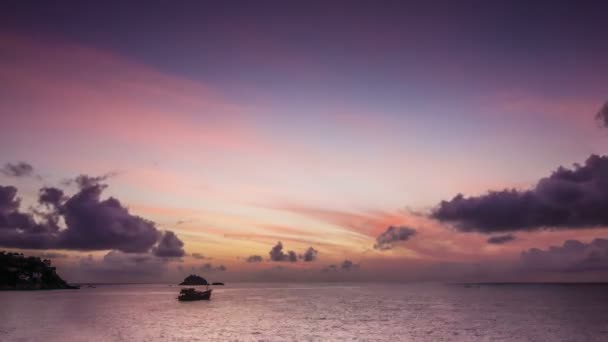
[(191, 294)]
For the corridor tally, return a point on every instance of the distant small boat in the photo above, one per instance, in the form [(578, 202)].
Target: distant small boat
[(190, 294)]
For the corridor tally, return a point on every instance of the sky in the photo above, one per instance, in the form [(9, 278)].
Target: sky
[(312, 141)]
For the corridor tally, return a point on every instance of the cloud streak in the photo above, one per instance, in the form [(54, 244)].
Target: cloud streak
[(18, 170), (500, 239)]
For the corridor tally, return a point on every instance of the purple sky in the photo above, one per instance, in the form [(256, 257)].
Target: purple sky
[(241, 124)]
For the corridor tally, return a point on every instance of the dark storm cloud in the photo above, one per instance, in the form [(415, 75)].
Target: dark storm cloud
[(91, 223), (20, 169), (501, 239), (567, 199), (573, 256), (310, 254), (169, 246), (277, 254), (393, 234), (602, 115), (210, 268), (254, 258), (20, 230), (94, 224)]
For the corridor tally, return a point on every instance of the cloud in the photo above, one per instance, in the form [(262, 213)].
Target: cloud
[(85, 181), (310, 254), (51, 196), (180, 222), (567, 199), (277, 254), (348, 265), (602, 115), (292, 256), (254, 258), (210, 268), (116, 266), (53, 255), (119, 264), (8, 202), (95, 224), (169, 246), (500, 239), (20, 230), (330, 268), (393, 234), (198, 256), (120, 267), (90, 223), (20, 169), (572, 256)]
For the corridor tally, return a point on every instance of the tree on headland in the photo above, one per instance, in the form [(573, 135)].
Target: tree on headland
[(194, 279), (18, 272)]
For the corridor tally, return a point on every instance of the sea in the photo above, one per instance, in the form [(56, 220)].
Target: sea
[(311, 312)]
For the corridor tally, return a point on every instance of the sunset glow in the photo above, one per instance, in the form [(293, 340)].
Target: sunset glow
[(236, 135)]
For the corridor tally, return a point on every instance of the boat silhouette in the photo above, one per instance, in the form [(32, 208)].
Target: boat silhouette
[(191, 294)]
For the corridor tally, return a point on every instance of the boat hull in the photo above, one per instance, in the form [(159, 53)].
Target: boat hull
[(194, 296)]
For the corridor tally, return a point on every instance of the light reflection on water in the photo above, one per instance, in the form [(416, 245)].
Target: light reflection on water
[(318, 312)]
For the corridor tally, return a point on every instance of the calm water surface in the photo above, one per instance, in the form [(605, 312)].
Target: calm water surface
[(305, 312)]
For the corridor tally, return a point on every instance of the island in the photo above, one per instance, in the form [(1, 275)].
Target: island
[(18, 272), (193, 279), (217, 283)]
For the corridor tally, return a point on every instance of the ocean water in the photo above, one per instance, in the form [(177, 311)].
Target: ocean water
[(310, 312)]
